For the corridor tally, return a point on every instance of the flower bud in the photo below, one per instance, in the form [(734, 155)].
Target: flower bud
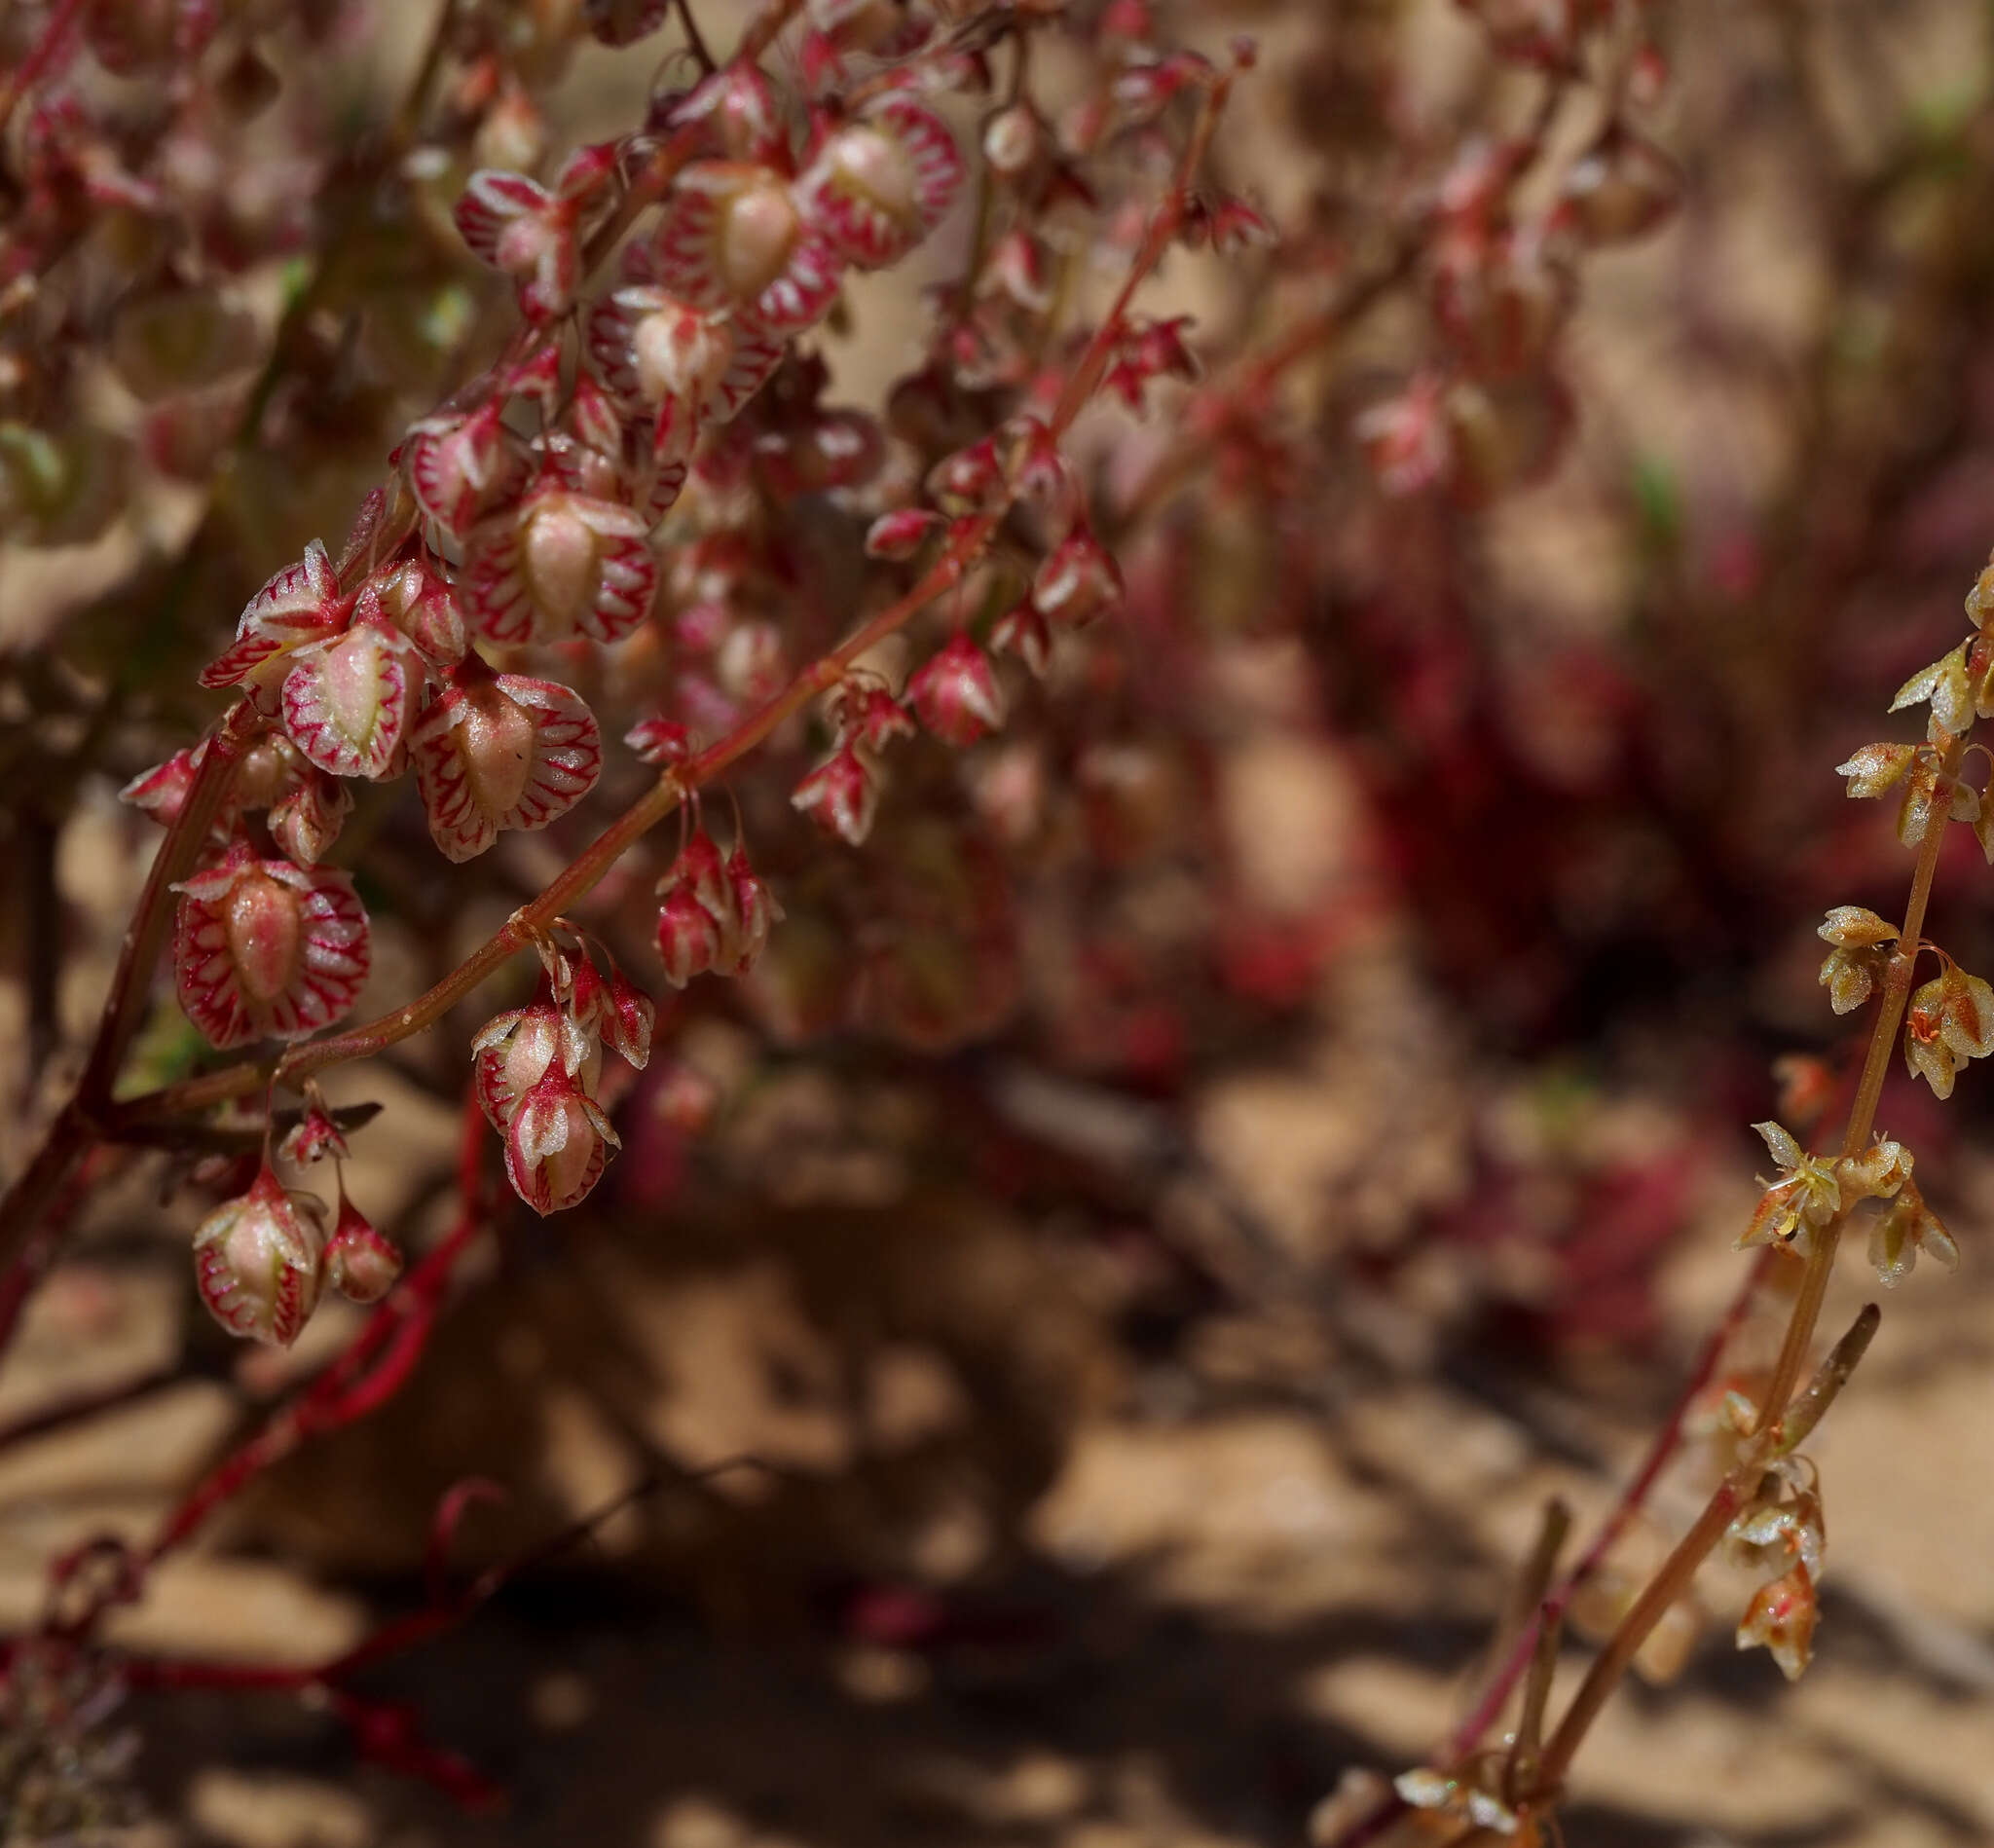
[(520, 229), (840, 795), (1078, 580), (676, 352), (1875, 767), (628, 1019), (423, 605), (1041, 474), (901, 533), (578, 985), (700, 868), (162, 791), (513, 131), (956, 692), (1950, 1020), (1012, 140), (865, 714), (689, 936), (311, 1138), (458, 466), (557, 1144), (513, 1052), (754, 914), (1850, 975), (1024, 631), (1237, 226), (1780, 1618), (1908, 1228), (970, 480), (1944, 686), (299, 605), (359, 1263), (256, 1262), (659, 741), (1016, 271), (1855, 927)]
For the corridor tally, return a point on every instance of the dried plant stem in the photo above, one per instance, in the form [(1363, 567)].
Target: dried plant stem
[(1248, 386), (1668, 1584), (1889, 1014), (1468, 1735), (1779, 1400)]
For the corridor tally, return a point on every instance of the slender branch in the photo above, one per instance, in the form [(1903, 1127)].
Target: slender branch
[(1164, 225), (1467, 1736), (76, 1128), (1889, 1014), (693, 41), (370, 1369), (125, 1006), (1662, 1590), (1676, 1571), (87, 1405), (1248, 384), (968, 539), (1778, 1405)]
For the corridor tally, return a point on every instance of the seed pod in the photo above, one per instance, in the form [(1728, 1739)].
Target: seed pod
[(359, 1263), (493, 752), (840, 795), (557, 1144), (559, 564), (880, 185), (1078, 582), (263, 949), (731, 236), (347, 701), (257, 1261), (956, 692), (513, 1052)]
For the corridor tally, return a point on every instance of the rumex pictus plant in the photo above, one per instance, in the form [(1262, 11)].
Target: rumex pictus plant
[(626, 506)]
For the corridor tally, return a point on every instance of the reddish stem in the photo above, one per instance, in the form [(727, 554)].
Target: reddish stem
[(1468, 1735), (367, 1372), (87, 1405), (967, 540), (76, 1129), (46, 52)]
